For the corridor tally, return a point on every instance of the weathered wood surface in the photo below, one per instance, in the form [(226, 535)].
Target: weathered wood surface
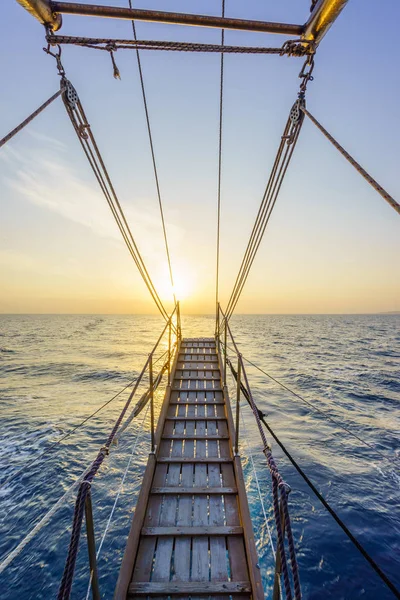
[(193, 539)]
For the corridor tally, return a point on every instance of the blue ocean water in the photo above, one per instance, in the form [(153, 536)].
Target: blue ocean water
[(55, 370)]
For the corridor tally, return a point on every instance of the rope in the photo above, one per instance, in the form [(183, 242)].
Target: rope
[(221, 105), (26, 122), (257, 482), (31, 462), (86, 138), (260, 417), (392, 460), (294, 48), (138, 436), (146, 110), (39, 526), (279, 488), (84, 489), (385, 195), (278, 172), (338, 520)]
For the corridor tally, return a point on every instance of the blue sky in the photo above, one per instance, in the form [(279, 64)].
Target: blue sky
[(332, 244)]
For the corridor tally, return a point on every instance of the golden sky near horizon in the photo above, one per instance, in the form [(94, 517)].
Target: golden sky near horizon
[(332, 244)]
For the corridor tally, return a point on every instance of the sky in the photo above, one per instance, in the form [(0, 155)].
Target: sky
[(332, 244)]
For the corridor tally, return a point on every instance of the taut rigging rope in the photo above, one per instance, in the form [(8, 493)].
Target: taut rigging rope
[(146, 110), (385, 195), (26, 122)]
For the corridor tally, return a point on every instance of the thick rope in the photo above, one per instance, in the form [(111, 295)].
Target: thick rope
[(331, 511), (221, 106), (109, 520), (385, 195), (246, 437), (278, 172), (28, 120), (153, 156), (295, 48), (83, 130)]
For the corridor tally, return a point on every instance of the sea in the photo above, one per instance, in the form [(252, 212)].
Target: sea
[(344, 370)]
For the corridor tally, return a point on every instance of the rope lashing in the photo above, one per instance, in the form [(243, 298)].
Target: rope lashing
[(153, 157), (282, 160), (86, 138), (293, 48), (29, 119), (385, 195), (279, 490)]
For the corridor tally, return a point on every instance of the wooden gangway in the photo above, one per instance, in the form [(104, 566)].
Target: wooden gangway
[(191, 535)]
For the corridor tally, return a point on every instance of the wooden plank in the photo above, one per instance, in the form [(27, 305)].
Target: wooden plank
[(200, 556), (196, 459), (187, 588), (196, 418), (198, 402), (182, 554), (163, 556), (193, 490), (185, 436)]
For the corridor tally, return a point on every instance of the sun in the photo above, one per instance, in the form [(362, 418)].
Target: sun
[(184, 283)]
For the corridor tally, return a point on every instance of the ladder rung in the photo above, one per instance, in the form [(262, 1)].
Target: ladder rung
[(188, 588), (221, 530), (195, 437), (194, 490), (208, 418), (196, 378), (198, 403), (195, 459), (179, 389)]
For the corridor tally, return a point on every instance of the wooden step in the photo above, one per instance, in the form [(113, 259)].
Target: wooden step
[(188, 588), (199, 402), (191, 491), (203, 530), (194, 418), (217, 378), (187, 459), (210, 437)]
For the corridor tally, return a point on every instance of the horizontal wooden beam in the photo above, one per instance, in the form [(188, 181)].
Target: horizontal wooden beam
[(173, 18), (197, 418), (194, 460), (203, 530), (195, 437), (198, 403), (185, 588), (191, 491)]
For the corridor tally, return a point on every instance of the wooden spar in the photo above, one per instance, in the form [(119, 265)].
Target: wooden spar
[(43, 12), (191, 533), (156, 16), (322, 17)]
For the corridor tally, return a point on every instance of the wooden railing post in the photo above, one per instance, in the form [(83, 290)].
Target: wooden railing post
[(91, 547), (151, 383), (169, 353), (238, 386), (225, 350), (276, 594)]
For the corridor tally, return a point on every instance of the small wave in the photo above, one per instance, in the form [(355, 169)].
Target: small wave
[(100, 375), (6, 351)]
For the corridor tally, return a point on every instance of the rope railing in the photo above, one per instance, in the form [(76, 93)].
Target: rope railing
[(83, 504), (284, 565)]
